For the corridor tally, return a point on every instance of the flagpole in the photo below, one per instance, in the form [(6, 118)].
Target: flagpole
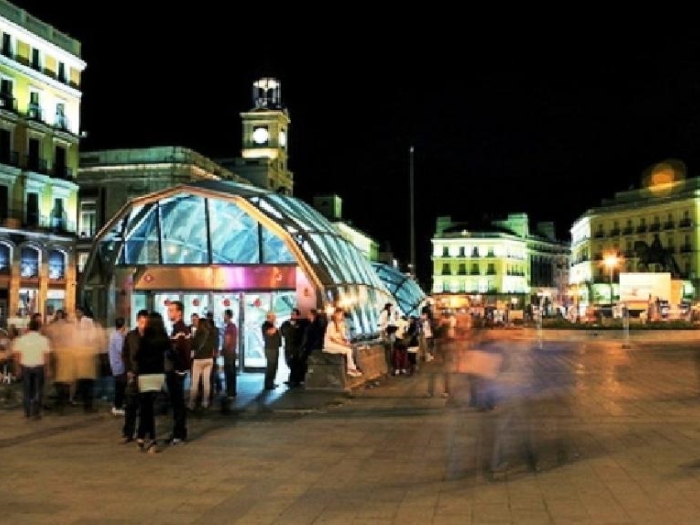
[(413, 218)]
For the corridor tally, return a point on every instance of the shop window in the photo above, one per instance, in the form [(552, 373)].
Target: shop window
[(29, 263), (57, 265)]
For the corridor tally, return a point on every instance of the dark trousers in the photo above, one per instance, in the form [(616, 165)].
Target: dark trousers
[(230, 376), (176, 391), (119, 390), (147, 417), (85, 389), (62, 393), (272, 355), (297, 368), (33, 389), (131, 408)]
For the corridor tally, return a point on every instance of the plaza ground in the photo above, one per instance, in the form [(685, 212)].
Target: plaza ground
[(615, 434)]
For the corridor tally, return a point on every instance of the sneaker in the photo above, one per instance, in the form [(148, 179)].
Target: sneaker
[(404, 371), (176, 441), (397, 372)]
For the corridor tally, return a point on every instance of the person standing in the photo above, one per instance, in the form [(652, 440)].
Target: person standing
[(312, 341), (204, 346), (230, 352), (177, 364), (116, 364), (32, 353), (132, 340), (293, 330), (273, 340), (150, 359)]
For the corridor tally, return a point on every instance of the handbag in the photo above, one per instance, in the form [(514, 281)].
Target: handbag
[(151, 382)]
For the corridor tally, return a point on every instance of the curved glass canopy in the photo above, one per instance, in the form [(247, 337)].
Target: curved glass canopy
[(225, 223), (408, 294)]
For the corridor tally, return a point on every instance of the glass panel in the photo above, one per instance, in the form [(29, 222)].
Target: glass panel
[(139, 301), (57, 265), (184, 230), (275, 251), (141, 245), (5, 258), (234, 234), (256, 308), (268, 208)]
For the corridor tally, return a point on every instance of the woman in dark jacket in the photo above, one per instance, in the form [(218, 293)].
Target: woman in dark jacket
[(150, 359)]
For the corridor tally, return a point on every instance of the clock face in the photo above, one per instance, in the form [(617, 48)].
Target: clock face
[(260, 135), (283, 138)]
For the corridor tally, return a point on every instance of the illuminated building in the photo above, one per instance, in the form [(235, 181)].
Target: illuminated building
[(40, 73), (501, 263), (264, 156), (215, 245), (664, 210)]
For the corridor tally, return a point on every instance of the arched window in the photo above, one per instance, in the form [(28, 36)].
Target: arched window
[(5, 259), (29, 263), (57, 265)]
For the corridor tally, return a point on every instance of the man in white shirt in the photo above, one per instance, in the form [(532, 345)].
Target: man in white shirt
[(336, 342), (32, 351)]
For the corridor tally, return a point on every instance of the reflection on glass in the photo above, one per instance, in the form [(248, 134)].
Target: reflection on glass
[(234, 234), (141, 243), (275, 251), (57, 265), (184, 230), (29, 263)]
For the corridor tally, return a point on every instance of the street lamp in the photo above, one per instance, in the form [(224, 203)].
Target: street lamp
[(611, 261)]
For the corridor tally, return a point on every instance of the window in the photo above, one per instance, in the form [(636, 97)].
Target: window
[(82, 260), (29, 263), (88, 218), (4, 195), (61, 120), (57, 265), (36, 59), (7, 45), (5, 259), (58, 214), (445, 251), (34, 108), (33, 209), (62, 77), (5, 146)]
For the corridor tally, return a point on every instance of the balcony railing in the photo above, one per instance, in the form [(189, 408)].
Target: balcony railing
[(61, 122), (33, 220), (642, 228), (655, 227), (34, 112), (614, 232), (10, 158), (628, 230), (599, 234), (684, 223), (669, 225), (686, 248), (35, 164), (62, 172), (8, 102)]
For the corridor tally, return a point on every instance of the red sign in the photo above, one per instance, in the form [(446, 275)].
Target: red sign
[(227, 302)]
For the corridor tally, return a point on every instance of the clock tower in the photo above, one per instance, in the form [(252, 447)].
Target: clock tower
[(265, 139)]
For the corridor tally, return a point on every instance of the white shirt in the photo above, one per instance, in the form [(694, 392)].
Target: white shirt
[(335, 335), (32, 348)]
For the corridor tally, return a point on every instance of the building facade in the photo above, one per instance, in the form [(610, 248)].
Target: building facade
[(40, 74), (652, 228), (501, 263), (108, 179)]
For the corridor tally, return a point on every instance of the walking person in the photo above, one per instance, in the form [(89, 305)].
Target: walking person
[(116, 364), (177, 365), (132, 340), (273, 341), (32, 354), (149, 363)]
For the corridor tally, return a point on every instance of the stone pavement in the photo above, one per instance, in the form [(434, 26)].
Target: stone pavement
[(615, 434)]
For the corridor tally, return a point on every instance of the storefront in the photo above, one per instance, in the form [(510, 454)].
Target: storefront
[(216, 245)]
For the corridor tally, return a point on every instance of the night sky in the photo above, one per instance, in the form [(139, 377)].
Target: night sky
[(539, 117)]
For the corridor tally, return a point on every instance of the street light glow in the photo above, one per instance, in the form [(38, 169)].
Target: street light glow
[(611, 260)]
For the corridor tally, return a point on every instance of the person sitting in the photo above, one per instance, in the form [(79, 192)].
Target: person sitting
[(336, 342)]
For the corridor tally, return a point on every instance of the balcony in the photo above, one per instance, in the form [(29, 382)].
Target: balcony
[(628, 230), (61, 122), (599, 234), (655, 227), (686, 248), (62, 172), (34, 112), (669, 225), (614, 232), (19, 219), (9, 158), (8, 102), (35, 164), (685, 223), (642, 228)]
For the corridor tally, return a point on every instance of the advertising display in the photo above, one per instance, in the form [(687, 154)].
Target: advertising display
[(637, 287)]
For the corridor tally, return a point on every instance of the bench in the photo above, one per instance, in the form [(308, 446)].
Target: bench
[(327, 371)]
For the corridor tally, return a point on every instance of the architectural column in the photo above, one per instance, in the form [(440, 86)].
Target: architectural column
[(71, 285), (13, 287), (43, 284)]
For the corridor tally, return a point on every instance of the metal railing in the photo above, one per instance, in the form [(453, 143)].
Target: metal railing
[(33, 220)]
